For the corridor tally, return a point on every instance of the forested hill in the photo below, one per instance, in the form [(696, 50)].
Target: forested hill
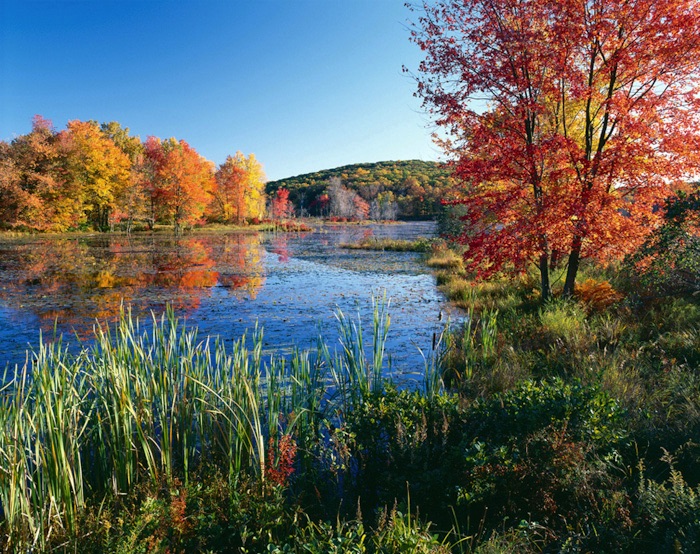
[(404, 189)]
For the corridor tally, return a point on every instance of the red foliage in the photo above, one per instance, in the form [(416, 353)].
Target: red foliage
[(280, 206), (179, 180), (361, 208), (593, 119), (321, 204), (280, 459)]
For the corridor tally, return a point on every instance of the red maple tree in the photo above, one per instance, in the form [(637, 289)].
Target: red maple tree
[(280, 206), (567, 121)]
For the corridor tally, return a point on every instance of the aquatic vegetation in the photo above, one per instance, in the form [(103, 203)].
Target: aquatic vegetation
[(420, 244), (156, 405)]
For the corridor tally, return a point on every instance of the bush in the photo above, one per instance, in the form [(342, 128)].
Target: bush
[(542, 452), (668, 513), (403, 439), (669, 261), (597, 296)]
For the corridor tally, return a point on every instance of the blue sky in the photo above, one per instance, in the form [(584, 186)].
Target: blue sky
[(304, 84)]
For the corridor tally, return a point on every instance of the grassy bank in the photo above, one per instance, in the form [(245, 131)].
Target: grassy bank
[(394, 245), (621, 476)]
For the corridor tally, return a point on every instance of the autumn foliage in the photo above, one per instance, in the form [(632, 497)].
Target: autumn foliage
[(280, 206), (180, 181), (240, 190), (99, 168), (280, 460), (568, 122), (96, 176)]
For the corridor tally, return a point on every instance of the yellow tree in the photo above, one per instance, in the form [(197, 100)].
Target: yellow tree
[(255, 199), (229, 197), (240, 192), (132, 203), (100, 168)]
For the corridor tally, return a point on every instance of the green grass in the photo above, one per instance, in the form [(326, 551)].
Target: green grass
[(442, 257), (395, 245)]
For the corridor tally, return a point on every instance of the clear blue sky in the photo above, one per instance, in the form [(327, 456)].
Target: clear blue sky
[(304, 84)]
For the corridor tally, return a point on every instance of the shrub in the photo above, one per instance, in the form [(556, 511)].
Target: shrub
[(668, 263), (597, 296), (399, 438), (542, 452), (668, 513)]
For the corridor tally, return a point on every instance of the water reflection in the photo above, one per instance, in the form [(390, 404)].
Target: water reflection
[(76, 282), (223, 283)]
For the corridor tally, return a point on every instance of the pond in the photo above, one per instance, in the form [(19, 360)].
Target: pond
[(290, 284)]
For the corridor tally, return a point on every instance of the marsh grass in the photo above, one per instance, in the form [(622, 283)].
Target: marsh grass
[(564, 321), (445, 258), (420, 244), (470, 294), (152, 406), (354, 375)]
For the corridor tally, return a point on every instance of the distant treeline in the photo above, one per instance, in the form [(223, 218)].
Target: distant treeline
[(92, 176), (409, 189)]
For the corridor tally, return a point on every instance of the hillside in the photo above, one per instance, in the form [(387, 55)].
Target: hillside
[(406, 189)]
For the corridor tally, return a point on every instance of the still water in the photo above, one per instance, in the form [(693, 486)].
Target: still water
[(290, 284)]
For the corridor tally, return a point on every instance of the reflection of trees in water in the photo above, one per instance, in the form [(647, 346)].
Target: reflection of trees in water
[(186, 264), (242, 257), (280, 247), (76, 282)]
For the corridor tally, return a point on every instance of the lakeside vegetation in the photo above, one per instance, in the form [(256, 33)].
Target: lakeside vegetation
[(421, 244), (567, 426)]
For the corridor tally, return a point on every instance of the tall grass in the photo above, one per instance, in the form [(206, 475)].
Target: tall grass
[(358, 376), (154, 405)]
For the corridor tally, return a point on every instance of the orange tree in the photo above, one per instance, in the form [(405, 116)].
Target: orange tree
[(179, 181), (36, 188), (231, 181), (567, 121)]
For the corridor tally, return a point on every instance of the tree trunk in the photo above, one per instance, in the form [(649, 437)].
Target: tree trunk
[(572, 268), (545, 286)]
